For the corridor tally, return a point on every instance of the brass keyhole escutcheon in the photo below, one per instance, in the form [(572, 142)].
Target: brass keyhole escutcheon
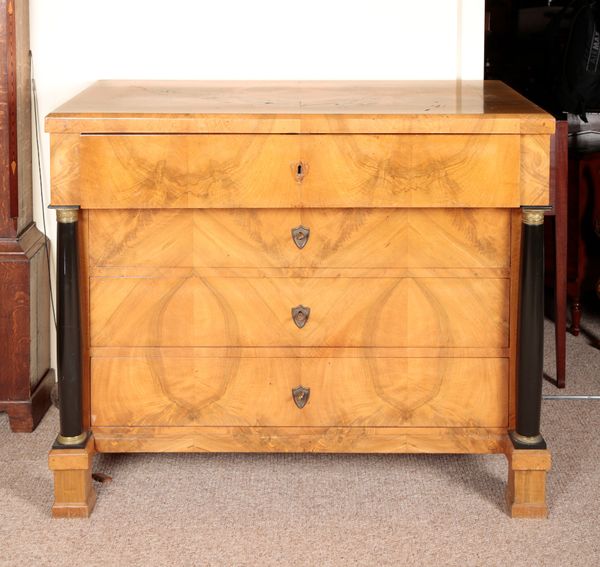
[(300, 396), (300, 315), (300, 236)]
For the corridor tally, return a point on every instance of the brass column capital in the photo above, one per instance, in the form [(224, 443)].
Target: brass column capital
[(67, 215), (533, 217)]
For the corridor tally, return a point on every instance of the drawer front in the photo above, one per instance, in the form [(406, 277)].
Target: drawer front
[(262, 238), (261, 171), (149, 391), (353, 312)]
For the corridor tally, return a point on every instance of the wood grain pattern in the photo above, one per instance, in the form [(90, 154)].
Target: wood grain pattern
[(179, 171), (22, 78), (300, 440), (24, 323), (197, 311), (188, 269), (300, 107), (24, 306), (84, 300), (74, 494), (9, 190), (299, 352), (258, 392), (535, 170), (349, 239), (65, 169), (24, 415), (526, 488), (515, 269)]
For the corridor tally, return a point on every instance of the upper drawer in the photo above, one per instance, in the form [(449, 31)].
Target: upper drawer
[(231, 171), (341, 239)]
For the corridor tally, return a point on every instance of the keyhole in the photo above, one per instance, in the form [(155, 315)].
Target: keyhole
[(299, 170)]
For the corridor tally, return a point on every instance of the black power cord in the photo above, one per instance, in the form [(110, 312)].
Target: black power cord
[(34, 99)]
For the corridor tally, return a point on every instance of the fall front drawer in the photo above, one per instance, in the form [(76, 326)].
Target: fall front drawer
[(309, 171), (192, 310), (164, 390)]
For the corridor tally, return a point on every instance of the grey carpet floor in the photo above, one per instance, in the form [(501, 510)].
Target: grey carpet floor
[(196, 510)]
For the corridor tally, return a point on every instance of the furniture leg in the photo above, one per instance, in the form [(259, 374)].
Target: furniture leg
[(526, 489), (578, 199), (24, 416), (560, 248), (72, 452), (74, 495), (575, 316), (527, 454)]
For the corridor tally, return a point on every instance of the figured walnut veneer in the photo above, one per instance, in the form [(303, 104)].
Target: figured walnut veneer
[(411, 193)]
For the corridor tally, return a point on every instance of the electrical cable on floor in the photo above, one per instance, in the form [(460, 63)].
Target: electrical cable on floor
[(34, 99), (567, 397)]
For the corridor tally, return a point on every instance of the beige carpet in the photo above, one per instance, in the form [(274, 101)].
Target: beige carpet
[(196, 510)]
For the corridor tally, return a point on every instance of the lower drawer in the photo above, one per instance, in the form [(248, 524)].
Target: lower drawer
[(172, 391)]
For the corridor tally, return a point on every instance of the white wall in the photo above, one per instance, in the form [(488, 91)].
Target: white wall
[(75, 42)]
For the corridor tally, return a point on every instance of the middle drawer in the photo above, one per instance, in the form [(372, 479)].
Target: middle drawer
[(258, 312)]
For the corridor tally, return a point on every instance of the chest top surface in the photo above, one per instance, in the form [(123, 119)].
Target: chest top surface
[(294, 107)]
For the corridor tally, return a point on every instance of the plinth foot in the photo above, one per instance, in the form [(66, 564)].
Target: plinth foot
[(526, 489), (74, 494)]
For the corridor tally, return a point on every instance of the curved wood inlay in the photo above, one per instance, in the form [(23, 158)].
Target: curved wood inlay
[(344, 392), (358, 312)]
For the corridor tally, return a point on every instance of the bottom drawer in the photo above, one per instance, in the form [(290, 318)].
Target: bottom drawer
[(155, 391)]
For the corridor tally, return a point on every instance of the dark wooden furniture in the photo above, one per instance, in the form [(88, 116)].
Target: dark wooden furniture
[(25, 377), (521, 50), (556, 242), (584, 229)]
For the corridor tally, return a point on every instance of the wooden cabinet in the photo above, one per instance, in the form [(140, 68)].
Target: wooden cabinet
[(327, 267), (25, 375)]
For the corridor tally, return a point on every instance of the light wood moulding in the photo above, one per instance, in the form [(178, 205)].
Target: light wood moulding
[(345, 239), (298, 352), (282, 107), (304, 440), (359, 312)]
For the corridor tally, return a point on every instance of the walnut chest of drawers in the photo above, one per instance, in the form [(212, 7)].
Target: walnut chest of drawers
[(327, 267)]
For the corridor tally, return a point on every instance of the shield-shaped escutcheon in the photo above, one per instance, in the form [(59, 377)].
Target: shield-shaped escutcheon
[(300, 396)]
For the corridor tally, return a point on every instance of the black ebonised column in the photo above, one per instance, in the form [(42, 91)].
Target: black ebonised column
[(68, 337), (531, 333)]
